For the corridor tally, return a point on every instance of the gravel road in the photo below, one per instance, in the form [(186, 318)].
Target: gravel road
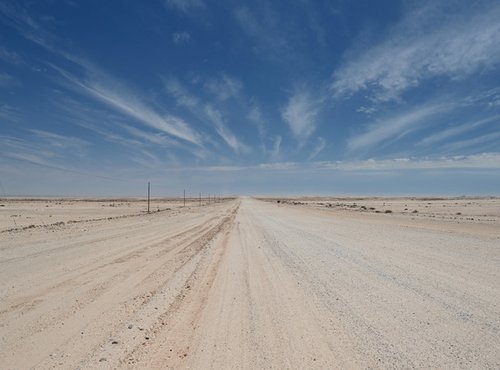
[(251, 284)]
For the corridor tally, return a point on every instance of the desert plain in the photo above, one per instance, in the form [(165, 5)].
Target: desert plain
[(243, 283)]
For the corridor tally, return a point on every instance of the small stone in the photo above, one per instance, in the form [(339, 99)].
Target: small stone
[(114, 342), (102, 359), (130, 326), (147, 338)]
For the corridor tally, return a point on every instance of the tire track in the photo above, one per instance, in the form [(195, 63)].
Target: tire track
[(121, 283)]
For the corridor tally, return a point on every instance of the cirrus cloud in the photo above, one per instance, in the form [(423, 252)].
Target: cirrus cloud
[(429, 42), (300, 114)]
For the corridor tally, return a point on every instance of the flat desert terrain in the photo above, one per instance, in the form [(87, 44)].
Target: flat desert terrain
[(314, 283)]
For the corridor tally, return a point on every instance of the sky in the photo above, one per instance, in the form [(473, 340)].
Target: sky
[(249, 97)]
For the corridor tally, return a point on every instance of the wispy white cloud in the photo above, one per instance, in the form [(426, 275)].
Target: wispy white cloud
[(40, 154), (276, 152), (394, 127), (100, 85), (107, 126), (216, 119), (270, 145), (495, 103), (44, 147), (478, 141), (300, 113), (205, 112), (28, 27), (115, 94), (489, 98), (61, 142), (262, 24), (157, 138), (10, 56), (320, 146), (367, 110), (17, 147), (185, 6), (224, 87), (107, 134), (292, 35), (9, 113), (476, 161), (489, 160), (255, 117), (181, 38), (119, 130), (221, 168), (430, 41), (283, 166), (456, 130), (146, 159), (182, 96)]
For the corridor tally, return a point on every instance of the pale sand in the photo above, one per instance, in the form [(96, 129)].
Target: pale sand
[(250, 284)]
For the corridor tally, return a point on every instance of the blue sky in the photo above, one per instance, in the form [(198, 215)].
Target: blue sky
[(256, 97)]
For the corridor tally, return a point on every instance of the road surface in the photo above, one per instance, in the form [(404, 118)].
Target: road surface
[(250, 284)]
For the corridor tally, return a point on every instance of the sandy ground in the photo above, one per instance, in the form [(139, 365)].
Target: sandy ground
[(18, 213), (247, 283), (457, 210)]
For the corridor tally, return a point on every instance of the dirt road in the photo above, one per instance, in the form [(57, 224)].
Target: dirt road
[(251, 284)]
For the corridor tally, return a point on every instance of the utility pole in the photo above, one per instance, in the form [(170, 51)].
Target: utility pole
[(184, 197), (149, 194), (200, 199)]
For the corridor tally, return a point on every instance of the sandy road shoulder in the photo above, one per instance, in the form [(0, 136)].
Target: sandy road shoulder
[(67, 302)]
